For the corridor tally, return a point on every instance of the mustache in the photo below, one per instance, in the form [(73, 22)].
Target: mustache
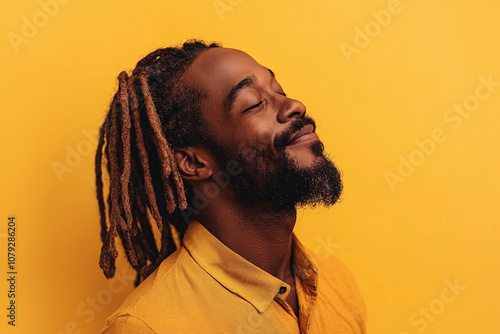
[(282, 139)]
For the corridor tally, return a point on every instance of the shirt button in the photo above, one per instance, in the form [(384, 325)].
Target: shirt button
[(282, 290)]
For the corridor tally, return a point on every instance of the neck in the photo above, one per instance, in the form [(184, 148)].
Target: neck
[(261, 234)]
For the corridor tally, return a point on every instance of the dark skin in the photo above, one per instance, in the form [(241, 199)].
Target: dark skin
[(261, 111)]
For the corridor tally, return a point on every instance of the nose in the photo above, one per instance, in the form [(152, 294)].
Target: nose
[(290, 109)]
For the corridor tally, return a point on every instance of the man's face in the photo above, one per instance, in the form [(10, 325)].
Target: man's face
[(253, 122)]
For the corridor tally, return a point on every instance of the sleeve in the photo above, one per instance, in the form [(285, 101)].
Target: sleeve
[(126, 324)]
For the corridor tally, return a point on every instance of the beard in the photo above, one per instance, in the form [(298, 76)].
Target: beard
[(277, 179)]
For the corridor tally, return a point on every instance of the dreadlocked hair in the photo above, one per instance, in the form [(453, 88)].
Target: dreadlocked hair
[(152, 112)]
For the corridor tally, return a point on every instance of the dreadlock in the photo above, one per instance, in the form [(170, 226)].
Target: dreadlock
[(152, 112)]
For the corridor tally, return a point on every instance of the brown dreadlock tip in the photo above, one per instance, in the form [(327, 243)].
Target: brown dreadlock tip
[(107, 265), (110, 273)]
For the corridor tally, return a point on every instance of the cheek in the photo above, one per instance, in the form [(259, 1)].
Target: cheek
[(255, 137), (262, 127), (222, 130)]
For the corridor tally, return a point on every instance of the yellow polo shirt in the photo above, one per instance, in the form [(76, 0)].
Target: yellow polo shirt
[(205, 287)]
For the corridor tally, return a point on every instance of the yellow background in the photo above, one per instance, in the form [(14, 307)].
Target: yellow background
[(404, 243)]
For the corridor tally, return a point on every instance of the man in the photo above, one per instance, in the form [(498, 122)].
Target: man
[(208, 160)]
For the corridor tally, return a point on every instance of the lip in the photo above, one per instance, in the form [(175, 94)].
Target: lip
[(303, 135)]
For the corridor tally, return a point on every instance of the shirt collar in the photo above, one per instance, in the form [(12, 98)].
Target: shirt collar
[(240, 276), (305, 265)]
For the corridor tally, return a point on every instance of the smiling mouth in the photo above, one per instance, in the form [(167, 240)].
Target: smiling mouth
[(303, 135)]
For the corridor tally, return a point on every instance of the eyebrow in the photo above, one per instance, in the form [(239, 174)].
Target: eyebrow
[(234, 92)]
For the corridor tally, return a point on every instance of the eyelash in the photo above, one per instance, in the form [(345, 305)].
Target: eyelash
[(254, 106), (258, 104)]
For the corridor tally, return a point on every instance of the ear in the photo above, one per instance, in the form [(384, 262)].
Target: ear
[(194, 163)]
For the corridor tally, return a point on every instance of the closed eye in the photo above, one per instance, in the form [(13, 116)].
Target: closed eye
[(254, 106), (258, 104)]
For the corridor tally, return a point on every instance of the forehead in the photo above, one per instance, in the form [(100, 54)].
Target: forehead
[(217, 70)]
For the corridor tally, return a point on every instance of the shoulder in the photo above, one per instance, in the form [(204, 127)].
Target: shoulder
[(150, 298), (337, 284), (331, 271), (334, 271), (126, 324)]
